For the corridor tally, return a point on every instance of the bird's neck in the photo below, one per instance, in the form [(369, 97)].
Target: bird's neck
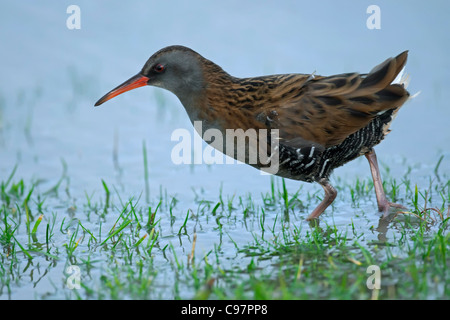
[(212, 101)]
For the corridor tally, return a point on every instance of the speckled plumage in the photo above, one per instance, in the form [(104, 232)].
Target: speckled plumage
[(323, 122)]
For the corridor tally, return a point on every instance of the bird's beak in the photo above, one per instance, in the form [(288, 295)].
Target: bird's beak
[(134, 82)]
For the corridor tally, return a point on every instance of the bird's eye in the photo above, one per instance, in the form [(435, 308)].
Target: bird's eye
[(159, 68)]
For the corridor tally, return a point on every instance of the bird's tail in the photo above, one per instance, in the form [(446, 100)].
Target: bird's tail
[(381, 80)]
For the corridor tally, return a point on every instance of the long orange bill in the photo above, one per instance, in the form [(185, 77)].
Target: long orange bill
[(132, 83)]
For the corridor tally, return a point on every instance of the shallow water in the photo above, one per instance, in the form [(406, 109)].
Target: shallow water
[(52, 76)]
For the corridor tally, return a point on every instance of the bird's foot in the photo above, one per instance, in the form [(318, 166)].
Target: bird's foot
[(386, 206)]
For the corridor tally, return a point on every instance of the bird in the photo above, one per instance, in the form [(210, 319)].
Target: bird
[(321, 122)]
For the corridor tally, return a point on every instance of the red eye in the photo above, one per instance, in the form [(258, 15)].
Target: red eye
[(159, 68)]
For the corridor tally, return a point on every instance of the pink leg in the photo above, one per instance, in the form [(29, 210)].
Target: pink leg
[(330, 195), (383, 204)]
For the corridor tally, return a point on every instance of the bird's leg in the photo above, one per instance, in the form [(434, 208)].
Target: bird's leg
[(330, 195), (383, 204)]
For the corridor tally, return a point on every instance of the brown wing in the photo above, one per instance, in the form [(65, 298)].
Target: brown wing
[(326, 110)]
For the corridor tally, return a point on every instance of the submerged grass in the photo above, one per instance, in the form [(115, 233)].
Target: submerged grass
[(232, 247)]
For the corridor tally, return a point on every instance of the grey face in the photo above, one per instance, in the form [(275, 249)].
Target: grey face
[(175, 68), (178, 71)]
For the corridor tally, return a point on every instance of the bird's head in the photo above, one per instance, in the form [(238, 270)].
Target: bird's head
[(175, 68)]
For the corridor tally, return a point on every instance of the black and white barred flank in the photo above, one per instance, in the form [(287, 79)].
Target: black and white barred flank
[(312, 164)]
